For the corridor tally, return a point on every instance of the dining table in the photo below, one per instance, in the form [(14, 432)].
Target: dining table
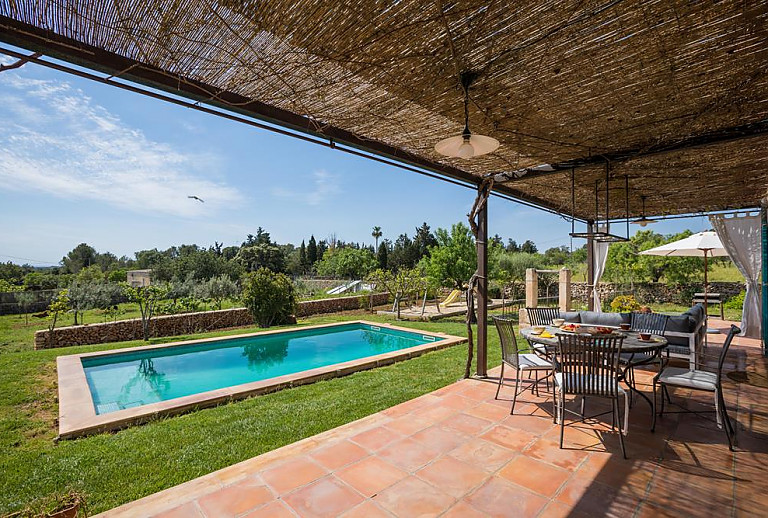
[(639, 351)]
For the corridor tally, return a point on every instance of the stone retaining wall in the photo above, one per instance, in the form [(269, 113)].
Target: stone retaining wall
[(656, 292), (187, 323)]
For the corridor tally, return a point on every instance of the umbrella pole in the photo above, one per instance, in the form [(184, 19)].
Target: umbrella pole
[(706, 286)]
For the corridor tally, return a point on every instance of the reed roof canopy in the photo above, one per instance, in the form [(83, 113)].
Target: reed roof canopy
[(672, 94)]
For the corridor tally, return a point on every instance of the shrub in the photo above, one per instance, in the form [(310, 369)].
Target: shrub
[(624, 304), (269, 296), (736, 302)]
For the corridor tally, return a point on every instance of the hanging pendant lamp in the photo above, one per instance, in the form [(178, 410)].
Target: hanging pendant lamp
[(643, 221), (466, 145)]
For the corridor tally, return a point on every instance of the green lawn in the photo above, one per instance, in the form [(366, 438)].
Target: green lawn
[(111, 469)]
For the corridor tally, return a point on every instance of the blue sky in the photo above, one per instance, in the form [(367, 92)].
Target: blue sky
[(86, 162)]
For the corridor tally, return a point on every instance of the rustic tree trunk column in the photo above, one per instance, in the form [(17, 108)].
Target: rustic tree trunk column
[(482, 291)]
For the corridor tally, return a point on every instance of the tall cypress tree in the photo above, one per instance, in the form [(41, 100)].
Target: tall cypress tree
[(382, 255), (303, 257), (312, 251)]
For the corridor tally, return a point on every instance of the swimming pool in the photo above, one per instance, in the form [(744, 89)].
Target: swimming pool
[(109, 390)]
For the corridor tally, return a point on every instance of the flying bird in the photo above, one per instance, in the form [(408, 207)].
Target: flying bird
[(196, 198)]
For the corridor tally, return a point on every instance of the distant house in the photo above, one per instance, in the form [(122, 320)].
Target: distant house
[(139, 278)]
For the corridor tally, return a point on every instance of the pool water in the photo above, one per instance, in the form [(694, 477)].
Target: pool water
[(125, 380)]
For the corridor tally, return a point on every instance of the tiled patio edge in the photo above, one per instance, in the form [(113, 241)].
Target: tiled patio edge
[(77, 416), (176, 495)]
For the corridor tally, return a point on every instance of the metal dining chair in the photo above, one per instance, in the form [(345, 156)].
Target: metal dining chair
[(542, 316), (520, 361), (651, 323), (588, 366), (699, 380)]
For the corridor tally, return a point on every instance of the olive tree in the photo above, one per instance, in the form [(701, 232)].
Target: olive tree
[(403, 283), (217, 289), (147, 298)]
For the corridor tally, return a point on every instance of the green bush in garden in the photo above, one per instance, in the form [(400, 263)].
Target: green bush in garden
[(269, 296)]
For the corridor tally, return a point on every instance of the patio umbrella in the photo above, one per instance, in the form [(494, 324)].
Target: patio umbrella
[(703, 244)]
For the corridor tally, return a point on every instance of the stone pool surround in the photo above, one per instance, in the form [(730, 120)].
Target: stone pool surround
[(77, 414)]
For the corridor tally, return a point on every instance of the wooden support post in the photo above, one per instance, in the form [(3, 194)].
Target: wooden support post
[(564, 289), (590, 267), (482, 291), (764, 250)]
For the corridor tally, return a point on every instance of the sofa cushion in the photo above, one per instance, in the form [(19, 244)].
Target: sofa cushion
[(604, 319), (573, 317), (696, 313)]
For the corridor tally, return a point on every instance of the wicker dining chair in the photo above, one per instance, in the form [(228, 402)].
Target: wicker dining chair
[(520, 361), (588, 366), (699, 380)]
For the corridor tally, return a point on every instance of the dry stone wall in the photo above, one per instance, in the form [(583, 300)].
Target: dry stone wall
[(655, 292), (187, 323)]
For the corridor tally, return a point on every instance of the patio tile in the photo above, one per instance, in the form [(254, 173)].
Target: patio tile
[(534, 424), (367, 510), (188, 510), (292, 474), (510, 438), (497, 497), (409, 455), (458, 402), (371, 475), (409, 424), (325, 497), (489, 411), (463, 510), (550, 451), (337, 455), (480, 390), (452, 476), (483, 454), (556, 509), (414, 497), (376, 438), (436, 413), (235, 499), (595, 499), (440, 438), (274, 509), (466, 424), (535, 475), (615, 472)]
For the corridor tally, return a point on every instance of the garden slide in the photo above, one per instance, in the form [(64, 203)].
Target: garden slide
[(453, 297)]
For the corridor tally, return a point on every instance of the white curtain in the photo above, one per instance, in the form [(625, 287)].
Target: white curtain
[(600, 254), (740, 236)]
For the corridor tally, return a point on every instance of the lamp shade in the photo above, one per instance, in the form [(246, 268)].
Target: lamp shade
[(462, 147), (643, 221)]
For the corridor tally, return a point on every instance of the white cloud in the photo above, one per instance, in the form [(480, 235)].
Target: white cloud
[(324, 186), (56, 140)]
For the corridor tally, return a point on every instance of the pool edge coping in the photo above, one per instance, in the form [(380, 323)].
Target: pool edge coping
[(78, 418)]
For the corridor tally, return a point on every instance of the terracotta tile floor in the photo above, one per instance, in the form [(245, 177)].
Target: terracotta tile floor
[(457, 452)]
